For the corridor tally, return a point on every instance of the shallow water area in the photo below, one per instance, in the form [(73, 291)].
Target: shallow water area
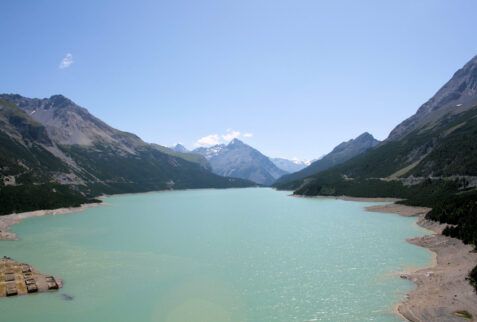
[(217, 255)]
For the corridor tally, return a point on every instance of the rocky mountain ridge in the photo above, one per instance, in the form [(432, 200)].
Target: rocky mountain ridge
[(292, 165), (456, 96), (240, 160), (437, 144), (341, 153), (54, 160)]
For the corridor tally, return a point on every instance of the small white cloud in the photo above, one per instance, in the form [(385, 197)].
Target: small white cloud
[(66, 62), (214, 139), (230, 135), (208, 140)]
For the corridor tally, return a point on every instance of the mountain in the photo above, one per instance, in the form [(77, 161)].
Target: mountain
[(429, 160), (456, 96), (290, 166), (54, 153), (435, 146), (340, 154), (179, 148), (27, 166), (188, 156), (239, 160)]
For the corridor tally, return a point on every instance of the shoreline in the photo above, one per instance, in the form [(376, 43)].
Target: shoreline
[(348, 198), (441, 288), (7, 221)]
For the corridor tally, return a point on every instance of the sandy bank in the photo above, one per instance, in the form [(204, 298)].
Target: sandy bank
[(442, 289), (9, 220), (347, 198), (400, 210)]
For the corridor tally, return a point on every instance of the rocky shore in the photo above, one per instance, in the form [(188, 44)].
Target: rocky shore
[(443, 292)]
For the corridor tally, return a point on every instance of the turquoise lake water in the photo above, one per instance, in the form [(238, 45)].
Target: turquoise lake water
[(217, 255)]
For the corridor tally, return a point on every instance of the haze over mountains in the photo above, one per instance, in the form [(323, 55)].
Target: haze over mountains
[(248, 163), (290, 165), (240, 160)]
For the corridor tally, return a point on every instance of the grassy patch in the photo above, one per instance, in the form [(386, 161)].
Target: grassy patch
[(463, 314)]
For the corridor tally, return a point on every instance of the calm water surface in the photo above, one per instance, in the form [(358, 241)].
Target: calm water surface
[(217, 255)]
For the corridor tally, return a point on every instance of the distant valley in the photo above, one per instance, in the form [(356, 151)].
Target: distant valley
[(240, 160), (291, 166)]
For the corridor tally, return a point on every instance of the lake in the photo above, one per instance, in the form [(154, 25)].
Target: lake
[(217, 255)]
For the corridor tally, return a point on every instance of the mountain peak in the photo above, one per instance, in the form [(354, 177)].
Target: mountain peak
[(68, 123), (457, 95), (236, 142), (179, 148), (365, 135), (341, 153), (60, 101), (240, 160), (59, 97), (290, 165)]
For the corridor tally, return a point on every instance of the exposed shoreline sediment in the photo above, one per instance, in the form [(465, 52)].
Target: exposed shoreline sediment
[(6, 221), (442, 289)]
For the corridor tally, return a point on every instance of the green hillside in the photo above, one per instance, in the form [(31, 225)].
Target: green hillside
[(447, 149), (149, 169), (26, 166), (341, 153), (38, 173), (434, 167), (188, 156)]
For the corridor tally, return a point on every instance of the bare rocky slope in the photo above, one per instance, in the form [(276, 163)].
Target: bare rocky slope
[(54, 153), (456, 96), (240, 160)]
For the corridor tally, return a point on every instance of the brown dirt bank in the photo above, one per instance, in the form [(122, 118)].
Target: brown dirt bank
[(442, 289), (347, 198), (7, 221), (400, 210)]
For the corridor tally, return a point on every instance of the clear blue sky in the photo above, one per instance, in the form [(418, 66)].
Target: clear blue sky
[(299, 76)]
